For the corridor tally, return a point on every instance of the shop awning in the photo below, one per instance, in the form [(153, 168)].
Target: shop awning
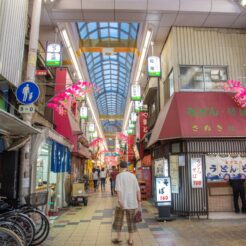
[(200, 115), (11, 125)]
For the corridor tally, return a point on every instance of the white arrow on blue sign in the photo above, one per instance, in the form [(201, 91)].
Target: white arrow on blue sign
[(27, 93)]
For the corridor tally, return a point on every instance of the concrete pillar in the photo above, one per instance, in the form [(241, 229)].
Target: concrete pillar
[(26, 166)]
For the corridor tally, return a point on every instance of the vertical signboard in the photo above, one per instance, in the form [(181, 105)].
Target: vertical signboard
[(83, 112), (143, 122), (163, 189), (174, 172), (136, 92), (196, 172), (53, 55), (91, 127), (154, 66)]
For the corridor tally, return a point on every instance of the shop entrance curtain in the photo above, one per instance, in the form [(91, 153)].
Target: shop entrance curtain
[(60, 158)]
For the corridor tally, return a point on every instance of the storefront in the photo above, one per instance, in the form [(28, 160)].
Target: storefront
[(52, 168), (194, 134)]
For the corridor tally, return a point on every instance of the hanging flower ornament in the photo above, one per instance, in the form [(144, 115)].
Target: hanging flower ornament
[(122, 136), (240, 96), (95, 142), (62, 102)]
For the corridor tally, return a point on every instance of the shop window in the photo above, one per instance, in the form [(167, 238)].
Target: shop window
[(203, 78), (43, 166)]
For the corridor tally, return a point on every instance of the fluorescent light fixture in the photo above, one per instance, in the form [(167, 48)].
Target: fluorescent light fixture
[(139, 69), (143, 53), (71, 53), (128, 115), (76, 66), (243, 3)]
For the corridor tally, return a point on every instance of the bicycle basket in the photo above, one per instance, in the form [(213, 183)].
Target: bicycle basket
[(37, 199)]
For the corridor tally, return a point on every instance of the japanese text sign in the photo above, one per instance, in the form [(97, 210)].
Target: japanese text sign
[(217, 167), (154, 66), (136, 92), (163, 189), (196, 172)]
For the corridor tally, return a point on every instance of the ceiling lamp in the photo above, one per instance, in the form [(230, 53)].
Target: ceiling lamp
[(243, 3)]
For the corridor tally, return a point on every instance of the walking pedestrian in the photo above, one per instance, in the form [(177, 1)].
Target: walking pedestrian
[(113, 175), (95, 178), (103, 175), (129, 199)]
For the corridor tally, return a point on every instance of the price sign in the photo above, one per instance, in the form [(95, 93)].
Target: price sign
[(196, 172), (163, 189)]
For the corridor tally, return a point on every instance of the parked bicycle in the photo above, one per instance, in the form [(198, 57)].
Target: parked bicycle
[(28, 222)]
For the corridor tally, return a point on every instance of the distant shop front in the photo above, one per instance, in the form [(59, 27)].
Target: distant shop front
[(197, 140)]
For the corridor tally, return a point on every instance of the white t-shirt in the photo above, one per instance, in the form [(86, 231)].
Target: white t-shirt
[(103, 174), (127, 185), (95, 175)]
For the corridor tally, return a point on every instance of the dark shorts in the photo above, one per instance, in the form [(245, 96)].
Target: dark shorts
[(119, 219)]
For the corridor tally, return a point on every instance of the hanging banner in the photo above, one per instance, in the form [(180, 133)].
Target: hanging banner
[(130, 143), (91, 127), (83, 112), (133, 117), (174, 172), (143, 124), (154, 66), (53, 55), (136, 92), (217, 167), (137, 106), (131, 125), (196, 172), (60, 159)]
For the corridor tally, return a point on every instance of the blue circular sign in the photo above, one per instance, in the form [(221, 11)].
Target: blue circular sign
[(27, 93)]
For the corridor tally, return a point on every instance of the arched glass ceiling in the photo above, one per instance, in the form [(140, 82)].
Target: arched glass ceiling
[(110, 73)]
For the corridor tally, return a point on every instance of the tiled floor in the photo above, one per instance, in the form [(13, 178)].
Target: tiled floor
[(92, 225)]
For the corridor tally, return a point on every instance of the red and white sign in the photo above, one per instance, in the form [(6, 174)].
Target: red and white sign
[(196, 172), (163, 189), (143, 122), (41, 72), (130, 150)]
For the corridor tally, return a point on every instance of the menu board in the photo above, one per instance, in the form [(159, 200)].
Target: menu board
[(163, 189), (174, 172), (196, 172)]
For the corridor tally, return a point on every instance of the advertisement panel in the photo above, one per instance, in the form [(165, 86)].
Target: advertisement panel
[(163, 189), (143, 123), (196, 172)]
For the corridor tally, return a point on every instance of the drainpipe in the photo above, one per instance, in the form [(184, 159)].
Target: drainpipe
[(25, 165)]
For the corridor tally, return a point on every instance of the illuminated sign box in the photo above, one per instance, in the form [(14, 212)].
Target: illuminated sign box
[(83, 113), (163, 190), (154, 66), (53, 55), (136, 93)]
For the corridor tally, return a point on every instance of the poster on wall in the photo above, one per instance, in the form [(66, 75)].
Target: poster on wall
[(163, 189), (174, 172), (217, 167), (159, 167), (196, 172)]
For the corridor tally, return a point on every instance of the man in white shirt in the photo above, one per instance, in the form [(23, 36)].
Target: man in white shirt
[(129, 199)]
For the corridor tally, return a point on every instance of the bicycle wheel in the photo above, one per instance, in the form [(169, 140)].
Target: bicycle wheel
[(42, 224), (25, 222), (9, 238), (15, 228)]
